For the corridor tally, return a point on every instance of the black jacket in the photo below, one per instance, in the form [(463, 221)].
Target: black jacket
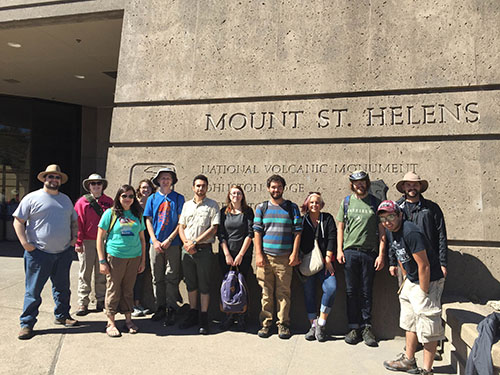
[(327, 234), (429, 218)]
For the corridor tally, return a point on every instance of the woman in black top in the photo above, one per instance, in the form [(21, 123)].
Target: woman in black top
[(320, 225), (235, 235)]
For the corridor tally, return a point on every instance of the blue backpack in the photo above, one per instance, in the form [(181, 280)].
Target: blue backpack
[(233, 293)]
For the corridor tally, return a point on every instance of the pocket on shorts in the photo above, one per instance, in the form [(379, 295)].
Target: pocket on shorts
[(430, 328)]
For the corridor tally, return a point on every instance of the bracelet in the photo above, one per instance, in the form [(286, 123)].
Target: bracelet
[(102, 261)]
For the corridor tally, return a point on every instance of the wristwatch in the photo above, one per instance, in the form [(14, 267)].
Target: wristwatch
[(194, 242)]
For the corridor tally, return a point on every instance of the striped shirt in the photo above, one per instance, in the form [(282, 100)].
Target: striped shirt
[(277, 227)]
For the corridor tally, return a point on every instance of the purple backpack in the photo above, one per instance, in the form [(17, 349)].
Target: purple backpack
[(233, 293)]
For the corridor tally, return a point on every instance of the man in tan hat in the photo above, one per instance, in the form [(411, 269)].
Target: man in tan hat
[(46, 225), (426, 214), (90, 208)]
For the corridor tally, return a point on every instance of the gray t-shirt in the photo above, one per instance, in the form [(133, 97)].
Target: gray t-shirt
[(48, 220)]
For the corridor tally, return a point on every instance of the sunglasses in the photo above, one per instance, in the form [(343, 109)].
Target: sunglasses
[(98, 183), (52, 176), (388, 218), (129, 196)]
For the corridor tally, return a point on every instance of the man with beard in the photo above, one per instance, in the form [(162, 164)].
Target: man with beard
[(361, 247), (198, 224), (46, 225), (162, 212), (420, 295), (277, 228), (424, 213)]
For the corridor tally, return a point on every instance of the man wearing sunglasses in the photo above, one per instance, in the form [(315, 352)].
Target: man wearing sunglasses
[(420, 293), (46, 225), (90, 208)]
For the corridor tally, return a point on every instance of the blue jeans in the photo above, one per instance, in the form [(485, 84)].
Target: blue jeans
[(328, 284), (39, 266), (359, 272)]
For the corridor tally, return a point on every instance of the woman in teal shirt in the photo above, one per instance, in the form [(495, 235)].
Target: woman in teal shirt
[(122, 257)]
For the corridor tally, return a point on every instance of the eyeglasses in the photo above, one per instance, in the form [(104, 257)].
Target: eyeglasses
[(52, 176), (129, 196), (98, 183), (385, 219), (237, 193)]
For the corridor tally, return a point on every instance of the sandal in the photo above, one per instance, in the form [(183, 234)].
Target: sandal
[(132, 328), (112, 331)]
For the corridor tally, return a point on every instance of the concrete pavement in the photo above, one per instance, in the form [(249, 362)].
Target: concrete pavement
[(86, 349)]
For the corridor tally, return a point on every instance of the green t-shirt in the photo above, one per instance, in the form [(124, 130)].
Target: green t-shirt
[(123, 240), (362, 224)]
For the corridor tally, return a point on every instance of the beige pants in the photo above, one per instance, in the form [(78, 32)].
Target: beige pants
[(89, 262), (421, 312), (120, 284), (276, 275)]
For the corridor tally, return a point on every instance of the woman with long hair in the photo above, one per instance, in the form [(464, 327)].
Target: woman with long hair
[(122, 257), (235, 235), (143, 191), (319, 227)]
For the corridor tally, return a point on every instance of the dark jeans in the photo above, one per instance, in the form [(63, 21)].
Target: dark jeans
[(359, 272), (39, 266)]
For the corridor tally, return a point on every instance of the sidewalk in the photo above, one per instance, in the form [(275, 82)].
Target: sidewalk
[(157, 349)]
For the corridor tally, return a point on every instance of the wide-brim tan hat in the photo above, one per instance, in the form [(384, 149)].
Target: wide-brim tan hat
[(412, 177), (94, 177), (53, 169)]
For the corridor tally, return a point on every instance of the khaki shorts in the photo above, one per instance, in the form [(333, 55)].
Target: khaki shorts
[(421, 312)]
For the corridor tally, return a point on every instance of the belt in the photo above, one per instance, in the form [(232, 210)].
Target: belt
[(201, 246)]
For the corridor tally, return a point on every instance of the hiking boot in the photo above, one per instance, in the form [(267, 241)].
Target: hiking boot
[(353, 337), (402, 363), (67, 321), (284, 332), (204, 324), (82, 310), (159, 314), (320, 333), (311, 334), (99, 306), (191, 319), (25, 333), (369, 337), (264, 332), (169, 317)]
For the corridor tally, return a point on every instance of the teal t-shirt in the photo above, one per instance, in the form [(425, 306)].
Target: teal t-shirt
[(123, 240)]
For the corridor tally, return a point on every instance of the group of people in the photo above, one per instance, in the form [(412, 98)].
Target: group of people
[(117, 239)]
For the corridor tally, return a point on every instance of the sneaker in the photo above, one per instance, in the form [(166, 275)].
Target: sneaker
[(353, 337), (169, 317), (25, 333), (82, 310), (425, 372), (310, 335), (147, 311), (159, 314), (320, 333), (191, 319), (284, 332), (369, 337), (264, 332), (402, 363), (138, 311), (99, 306), (67, 321), (204, 324)]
